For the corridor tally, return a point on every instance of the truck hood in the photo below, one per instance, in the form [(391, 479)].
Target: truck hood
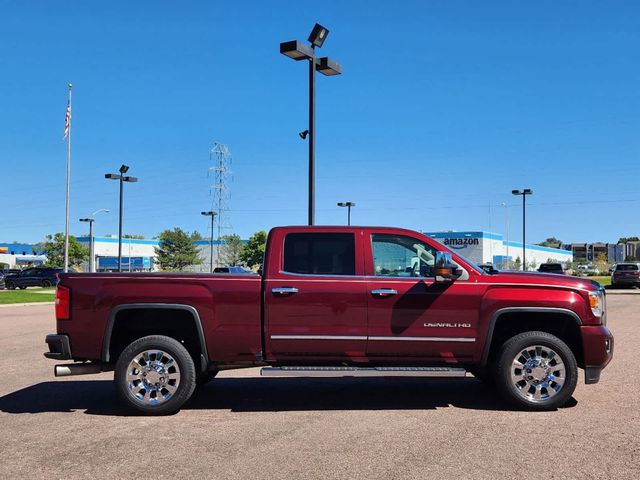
[(535, 278)]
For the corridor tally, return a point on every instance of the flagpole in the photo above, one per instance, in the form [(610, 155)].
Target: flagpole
[(66, 225)]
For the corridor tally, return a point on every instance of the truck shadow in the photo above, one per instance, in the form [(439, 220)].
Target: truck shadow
[(98, 397)]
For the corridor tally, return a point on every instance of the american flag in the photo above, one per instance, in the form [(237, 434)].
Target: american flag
[(67, 121)]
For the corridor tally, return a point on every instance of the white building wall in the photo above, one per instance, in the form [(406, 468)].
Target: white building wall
[(487, 247)]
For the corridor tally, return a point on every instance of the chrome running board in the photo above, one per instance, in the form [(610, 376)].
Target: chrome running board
[(362, 372)]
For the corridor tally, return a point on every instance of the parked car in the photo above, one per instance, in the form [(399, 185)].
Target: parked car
[(586, 270), (551, 268), (233, 269), (626, 274), (331, 302), (32, 277)]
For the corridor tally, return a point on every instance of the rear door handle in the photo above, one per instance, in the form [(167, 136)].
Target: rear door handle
[(284, 290), (384, 292)]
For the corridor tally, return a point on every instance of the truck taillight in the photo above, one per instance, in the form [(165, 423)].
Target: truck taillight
[(62, 303)]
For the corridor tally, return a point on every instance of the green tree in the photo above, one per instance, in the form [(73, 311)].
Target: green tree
[(231, 250), (253, 252), (628, 239), (551, 242), (602, 264), (517, 264), (176, 250), (196, 236), (54, 250)]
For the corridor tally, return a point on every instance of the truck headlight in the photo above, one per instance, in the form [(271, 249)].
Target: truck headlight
[(596, 302)]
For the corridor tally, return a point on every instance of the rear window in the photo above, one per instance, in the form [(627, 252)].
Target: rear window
[(627, 268), (550, 267), (320, 253)]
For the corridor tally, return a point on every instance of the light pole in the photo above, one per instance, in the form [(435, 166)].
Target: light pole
[(122, 178), (348, 205), (299, 51), (211, 214), (92, 256), (524, 192), (90, 221), (506, 220)]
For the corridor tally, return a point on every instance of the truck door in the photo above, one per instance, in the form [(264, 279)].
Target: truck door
[(409, 314), (315, 297)]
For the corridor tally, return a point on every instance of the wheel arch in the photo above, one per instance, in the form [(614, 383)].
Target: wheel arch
[(187, 311), (509, 321)]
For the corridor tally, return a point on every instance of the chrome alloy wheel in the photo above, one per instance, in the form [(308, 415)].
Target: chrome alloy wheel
[(538, 373), (153, 377)]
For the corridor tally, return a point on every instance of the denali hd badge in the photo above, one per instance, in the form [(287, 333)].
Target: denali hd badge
[(447, 325)]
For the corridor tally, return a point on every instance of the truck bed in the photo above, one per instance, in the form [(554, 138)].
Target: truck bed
[(228, 308)]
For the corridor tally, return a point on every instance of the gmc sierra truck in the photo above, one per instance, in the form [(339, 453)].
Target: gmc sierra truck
[(335, 301)]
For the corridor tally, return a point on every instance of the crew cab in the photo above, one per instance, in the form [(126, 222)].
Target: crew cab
[(335, 301)]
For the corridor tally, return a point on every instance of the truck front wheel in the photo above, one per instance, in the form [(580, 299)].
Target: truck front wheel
[(536, 371), (155, 375)]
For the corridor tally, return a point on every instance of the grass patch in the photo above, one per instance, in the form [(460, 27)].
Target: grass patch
[(27, 296), (602, 280)]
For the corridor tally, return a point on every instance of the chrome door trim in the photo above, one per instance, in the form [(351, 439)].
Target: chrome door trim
[(363, 337), (424, 339), (318, 337)]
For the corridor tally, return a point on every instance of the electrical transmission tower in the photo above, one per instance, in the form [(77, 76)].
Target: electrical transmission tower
[(220, 158)]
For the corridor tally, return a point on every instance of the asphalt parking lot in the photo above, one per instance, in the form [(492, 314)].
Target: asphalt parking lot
[(242, 426)]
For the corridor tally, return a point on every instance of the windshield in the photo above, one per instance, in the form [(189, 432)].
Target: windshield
[(631, 267), (472, 264)]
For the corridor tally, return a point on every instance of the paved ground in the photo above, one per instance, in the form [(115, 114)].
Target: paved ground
[(245, 427)]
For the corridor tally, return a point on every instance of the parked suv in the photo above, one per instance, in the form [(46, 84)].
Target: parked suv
[(33, 277), (626, 274), (551, 268)]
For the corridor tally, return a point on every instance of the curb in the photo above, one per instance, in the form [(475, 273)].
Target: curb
[(6, 305)]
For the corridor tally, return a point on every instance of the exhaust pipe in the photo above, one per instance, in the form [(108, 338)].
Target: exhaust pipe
[(76, 369)]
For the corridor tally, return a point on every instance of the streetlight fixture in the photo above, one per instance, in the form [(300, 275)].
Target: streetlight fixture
[(524, 192), (122, 178), (348, 205), (297, 50), (211, 214)]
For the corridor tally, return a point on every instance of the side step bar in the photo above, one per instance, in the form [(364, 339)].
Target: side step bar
[(362, 372), (69, 369)]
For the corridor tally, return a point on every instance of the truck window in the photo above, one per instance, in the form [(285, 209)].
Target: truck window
[(401, 256), (320, 253)]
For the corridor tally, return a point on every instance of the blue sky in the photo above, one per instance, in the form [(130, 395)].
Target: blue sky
[(443, 108)]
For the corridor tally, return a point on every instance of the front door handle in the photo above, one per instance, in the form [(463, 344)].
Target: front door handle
[(284, 290), (384, 292)]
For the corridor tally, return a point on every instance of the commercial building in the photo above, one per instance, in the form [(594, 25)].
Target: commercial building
[(613, 252), (487, 247), (139, 255), (21, 255)]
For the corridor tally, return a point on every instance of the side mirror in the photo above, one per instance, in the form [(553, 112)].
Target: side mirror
[(446, 270)]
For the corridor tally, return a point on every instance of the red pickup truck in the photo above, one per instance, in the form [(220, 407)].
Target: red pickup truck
[(335, 301)]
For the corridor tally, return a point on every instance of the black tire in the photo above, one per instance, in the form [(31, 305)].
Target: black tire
[(203, 378), (22, 288), (171, 367), (46, 283), (550, 381), (10, 286)]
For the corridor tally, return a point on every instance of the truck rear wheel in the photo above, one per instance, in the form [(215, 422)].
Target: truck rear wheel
[(155, 375), (536, 371)]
